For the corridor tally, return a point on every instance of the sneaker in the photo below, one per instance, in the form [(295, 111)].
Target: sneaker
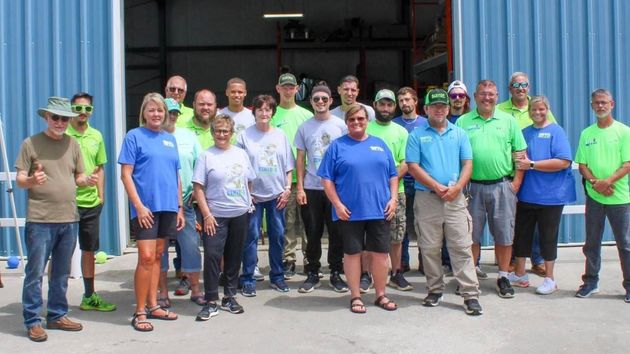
[(280, 286), (310, 284), (208, 311), (539, 270), (472, 307), (447, 270), (249, 290), (96, 303), (289, 270), (365, 284), (504, 289), (547, 287), (337, 283), (432, 300), (229, 304), (258, 276), (183, 287), (480, 273), (37, 334), (587, 290), (519, 281), (627, 298), (65, 324), (398, 281), (320, 275)]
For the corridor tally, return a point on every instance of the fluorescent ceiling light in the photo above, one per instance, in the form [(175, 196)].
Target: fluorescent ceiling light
[(278, 15)]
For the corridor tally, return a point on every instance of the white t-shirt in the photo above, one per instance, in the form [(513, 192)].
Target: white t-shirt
[(242, 120)]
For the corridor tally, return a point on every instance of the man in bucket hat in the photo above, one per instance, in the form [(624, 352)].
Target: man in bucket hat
[(50, 166)]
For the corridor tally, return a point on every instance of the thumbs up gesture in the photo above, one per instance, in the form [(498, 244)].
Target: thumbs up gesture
[(92, 179), (39, 176)]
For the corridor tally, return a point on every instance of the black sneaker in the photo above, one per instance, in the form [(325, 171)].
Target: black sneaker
[(432, 300), (337, 283), (398, 281), (472, 307), (504, 289), (208, 311), (310, 284), (289, 270), (229, 304), (365, 284)]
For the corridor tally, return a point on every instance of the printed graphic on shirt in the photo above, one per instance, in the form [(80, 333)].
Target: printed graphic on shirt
[(319, 148), (235, 186), (268, 160)]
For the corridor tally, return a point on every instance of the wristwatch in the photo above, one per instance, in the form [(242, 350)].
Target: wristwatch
[(532, 164)]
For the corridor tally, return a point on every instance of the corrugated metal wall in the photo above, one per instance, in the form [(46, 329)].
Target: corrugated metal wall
[(56, 47), (568, 48)]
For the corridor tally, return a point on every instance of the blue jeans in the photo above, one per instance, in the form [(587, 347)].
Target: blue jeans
[(42, 240), (595, 218), (188, 241), (275, 235)]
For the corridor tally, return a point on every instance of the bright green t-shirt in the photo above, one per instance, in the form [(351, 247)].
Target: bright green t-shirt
[(93, 151), (185, 116), (493, 141), (203, 136), (603, 151), (395, 137), (521, 115), (289, 120)]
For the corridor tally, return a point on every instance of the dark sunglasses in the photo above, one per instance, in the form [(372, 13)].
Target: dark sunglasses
[(320, 98), (455, 96), (520, 84), (82, 108), (56, 118), (176, 89)]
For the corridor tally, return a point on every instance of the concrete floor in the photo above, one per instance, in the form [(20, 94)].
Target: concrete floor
[(320, 322)]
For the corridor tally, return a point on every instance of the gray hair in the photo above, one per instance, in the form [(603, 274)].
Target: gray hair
[(601, 92), (517, 74), (222, 118)]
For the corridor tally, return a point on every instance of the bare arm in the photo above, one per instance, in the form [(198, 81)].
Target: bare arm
[(209, 222), (420, 175), (23, 180), (283, 198), (145, 217), (100, 186), (390, 207), (402, 169), (343, 213), (300, 166), (549, 165)]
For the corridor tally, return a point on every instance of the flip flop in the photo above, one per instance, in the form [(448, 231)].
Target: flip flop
[(360, 305), (135, 322), (165, 317), (384, 305)]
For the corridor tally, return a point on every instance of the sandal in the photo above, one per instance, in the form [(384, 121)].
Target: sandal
[(166, 316), (357, 305), (136, 322), (385, 305), (198, 299), (164, 302)]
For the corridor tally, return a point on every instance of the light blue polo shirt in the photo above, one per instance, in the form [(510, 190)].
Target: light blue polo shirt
[(438, 154)]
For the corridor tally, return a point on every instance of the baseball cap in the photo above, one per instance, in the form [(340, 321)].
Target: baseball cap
[(287, 79), (436, 96), (457, 84), (385, 93), (172, 105)]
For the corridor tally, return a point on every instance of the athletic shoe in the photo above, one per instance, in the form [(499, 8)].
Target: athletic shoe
[(289, 270), (310, 284), (229, 304), (208, 311), (519, 281), (472, 307), (258, 276), (320, 275), (183, 287), (504, 289), (432, 300), (96, 303), (249, 290), (547, 287), (539, 270), (365, 284), (398, 281), (280, 286), (587, 290), (627, 298), (481, 275), (337, 283), (447, 270)]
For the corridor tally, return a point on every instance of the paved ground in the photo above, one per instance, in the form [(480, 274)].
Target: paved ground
[(321, 322)]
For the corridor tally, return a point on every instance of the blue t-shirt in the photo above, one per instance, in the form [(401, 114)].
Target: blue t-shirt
[(361, 171), (155, 162), (440, 155), (453, 118), (547, 188), (410, 125)]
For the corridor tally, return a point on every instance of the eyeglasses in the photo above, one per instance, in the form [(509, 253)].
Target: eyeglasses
[(357, 119), (175, 89), (320, 98), (520, 84), (222, 132), (600, 103), (56, 118), (82, 108), (455, 96)]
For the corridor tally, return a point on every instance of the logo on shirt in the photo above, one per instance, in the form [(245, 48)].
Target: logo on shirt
[(320, 145), (425, 139), (544, 135), (472, 127), (168, 143), (590, 142), (376, 148), (267, 160), (235, 186)]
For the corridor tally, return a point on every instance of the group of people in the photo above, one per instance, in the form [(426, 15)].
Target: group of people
[(371, 180)]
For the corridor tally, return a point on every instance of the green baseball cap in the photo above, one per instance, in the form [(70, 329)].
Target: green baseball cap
[(385, 93), (436, 96), (287, 79)]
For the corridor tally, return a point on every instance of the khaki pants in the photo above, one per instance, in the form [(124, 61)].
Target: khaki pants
[(293, 229), (450, 220)]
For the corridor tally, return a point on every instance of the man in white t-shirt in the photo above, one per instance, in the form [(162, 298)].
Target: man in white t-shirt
[(348, 90), (236, 91)]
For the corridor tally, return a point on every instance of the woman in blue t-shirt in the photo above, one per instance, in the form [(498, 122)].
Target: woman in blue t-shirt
[(150, 174), (547, 186)]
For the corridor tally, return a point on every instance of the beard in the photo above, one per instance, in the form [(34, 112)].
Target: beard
[(383, 119)]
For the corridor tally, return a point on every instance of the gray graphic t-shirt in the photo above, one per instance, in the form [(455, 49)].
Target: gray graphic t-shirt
[(242, 120)]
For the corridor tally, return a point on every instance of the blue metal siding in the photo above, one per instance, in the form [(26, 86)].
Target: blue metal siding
[(568, 48), (56, 47)]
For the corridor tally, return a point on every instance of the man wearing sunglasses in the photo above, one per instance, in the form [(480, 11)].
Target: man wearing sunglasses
[(459, 101), (348, 91), (89, 199), (176, 89), (50, 167)]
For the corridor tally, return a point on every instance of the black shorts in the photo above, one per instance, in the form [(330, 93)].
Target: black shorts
[(368, 235), (164, 226), (89, 230)]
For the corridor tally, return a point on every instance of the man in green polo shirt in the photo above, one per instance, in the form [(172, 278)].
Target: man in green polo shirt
[(205, 108), (89, 199), (604, 157), (518, 103), (176, 89), (495, 138), (289, 116)]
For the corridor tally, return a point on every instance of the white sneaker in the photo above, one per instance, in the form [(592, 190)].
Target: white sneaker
[(521, 282), (547, 287), (258, 276)]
